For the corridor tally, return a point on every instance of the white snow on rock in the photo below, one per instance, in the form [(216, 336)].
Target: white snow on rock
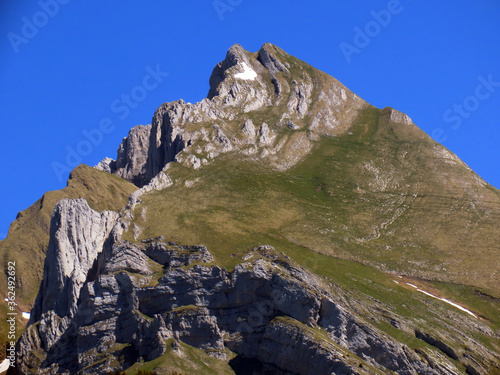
[(4, 366), (248, 73), (444, 300), (26, 315)]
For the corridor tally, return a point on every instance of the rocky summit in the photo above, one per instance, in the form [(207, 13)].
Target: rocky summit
[(282, 225)]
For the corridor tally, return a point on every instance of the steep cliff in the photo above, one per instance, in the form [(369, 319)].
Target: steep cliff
[(268, 308), (29, 234)]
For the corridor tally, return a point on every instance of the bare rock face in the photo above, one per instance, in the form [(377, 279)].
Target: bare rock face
[(133, 154), (129, 257), (241, 86), (78, 234), (249, 129), (399, 117), (270, 61), (107, 165), (176, 256), (268, 308)]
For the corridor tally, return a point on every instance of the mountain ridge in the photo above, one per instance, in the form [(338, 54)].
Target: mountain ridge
[(269, 88)]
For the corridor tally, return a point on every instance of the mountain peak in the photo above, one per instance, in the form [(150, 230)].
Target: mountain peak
[(280, 91), (268, 57), (241, 64), (236, 55)]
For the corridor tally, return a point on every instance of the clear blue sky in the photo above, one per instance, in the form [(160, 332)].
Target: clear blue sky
[(65, 64)]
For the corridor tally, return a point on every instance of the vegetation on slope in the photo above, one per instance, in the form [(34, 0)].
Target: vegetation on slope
[(181, 358), (377, 195), (28, 236), (382, 196)]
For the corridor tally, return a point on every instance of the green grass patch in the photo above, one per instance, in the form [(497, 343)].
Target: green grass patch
[(188, 360)]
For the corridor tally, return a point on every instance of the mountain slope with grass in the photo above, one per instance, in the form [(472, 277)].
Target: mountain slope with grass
[(28, 236), (281, 225)]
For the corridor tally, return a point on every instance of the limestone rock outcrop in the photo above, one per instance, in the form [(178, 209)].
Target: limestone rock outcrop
[(133, 154), (268, 304), (242, 86), (107, 165), (77, 236)]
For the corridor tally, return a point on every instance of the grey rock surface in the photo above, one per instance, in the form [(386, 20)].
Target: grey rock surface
[(126, 256), (249, 128), (107, 165), (77, 236), (133, 154), (400, 117), (241, 86), (268, 308)]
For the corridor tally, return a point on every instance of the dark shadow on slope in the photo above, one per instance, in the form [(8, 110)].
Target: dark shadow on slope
[(252, 366)]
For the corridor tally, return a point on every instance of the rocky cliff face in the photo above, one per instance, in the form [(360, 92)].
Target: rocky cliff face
[(77, 236), (99, 293), (113, 299), (103, 299), (300, 97), (133, 154)]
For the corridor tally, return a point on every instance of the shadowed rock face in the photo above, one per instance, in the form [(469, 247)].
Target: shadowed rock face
[(133, 154)]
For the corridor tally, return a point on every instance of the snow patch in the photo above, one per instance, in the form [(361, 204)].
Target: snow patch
[(26, 315), (444, 300), (448, 302), (4, 366), (248, 73)]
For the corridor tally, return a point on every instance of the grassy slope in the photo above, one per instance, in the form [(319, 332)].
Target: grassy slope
[(328, 213), (369, 197), (188, 360), (29, 233)]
